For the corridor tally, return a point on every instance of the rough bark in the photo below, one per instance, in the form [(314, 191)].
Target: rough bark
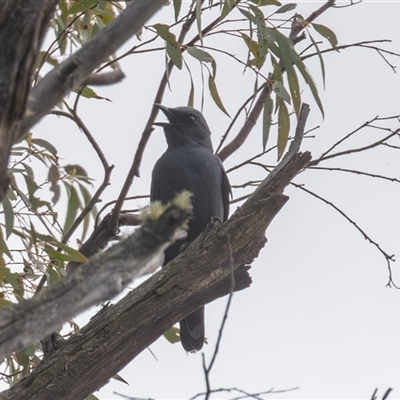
[(99, 279), (22, 27), (199, 275)]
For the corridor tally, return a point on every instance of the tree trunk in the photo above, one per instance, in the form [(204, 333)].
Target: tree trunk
[(22, 28)]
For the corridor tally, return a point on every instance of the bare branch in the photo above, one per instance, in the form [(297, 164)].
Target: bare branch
[(363, 44), (106, 78), (354, 171), (356, 150), (388, 257), (245, 395)]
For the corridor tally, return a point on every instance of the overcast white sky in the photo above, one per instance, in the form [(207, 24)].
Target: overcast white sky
[(318, 315)]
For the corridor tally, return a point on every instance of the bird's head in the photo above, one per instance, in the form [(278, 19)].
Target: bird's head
[(185, 125)]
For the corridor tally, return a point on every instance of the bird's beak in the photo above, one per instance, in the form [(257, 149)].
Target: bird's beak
[(168, 113)]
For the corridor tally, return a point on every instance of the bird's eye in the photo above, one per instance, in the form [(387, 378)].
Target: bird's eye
[(192, 118)]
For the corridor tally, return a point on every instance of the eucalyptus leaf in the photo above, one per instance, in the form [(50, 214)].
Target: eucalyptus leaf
[(283, 129)]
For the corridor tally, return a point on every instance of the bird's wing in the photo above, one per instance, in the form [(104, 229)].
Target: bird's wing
[(226, 190)]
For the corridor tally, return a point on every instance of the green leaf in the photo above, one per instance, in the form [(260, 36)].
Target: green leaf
[(277, 74), (177, 8), (266, 2), (15, 280), (52, 276), (3, 246), (215, 95), (92, 397), (173, 335), (87, 197), (8, 216), (118, 377), (283, 129), (23, 361), (78, 172), (73, 254), (326, 33), (285, 46), (29, 171), (47, 145), (267, 119), (57, 255), (89, 93), (254, 50), (307, 77), (47, 238), (262, 35), (32, 186), (226, 8), (172, 48), (203, 56), (82, 5), (191, 94), (64, 11), (34, 236), (199, 54), (30, 350), (286, 8), (11, 195), (321, 60), (74, 205), (281, 91), (248, 15), (198, 19), (53, 177), (175, 54)]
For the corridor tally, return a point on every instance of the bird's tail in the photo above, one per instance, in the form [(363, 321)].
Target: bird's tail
[(192, 331)]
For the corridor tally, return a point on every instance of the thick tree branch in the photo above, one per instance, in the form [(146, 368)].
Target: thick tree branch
[(99, 279)]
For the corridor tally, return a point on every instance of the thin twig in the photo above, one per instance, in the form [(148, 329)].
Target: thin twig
[(107, 169), (246, 394), (365, 45), (353, 171), (348, 136), (356, 150), (207, 370), (389, 258)]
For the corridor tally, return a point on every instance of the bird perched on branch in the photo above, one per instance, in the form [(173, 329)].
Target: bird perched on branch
[(189, 163)]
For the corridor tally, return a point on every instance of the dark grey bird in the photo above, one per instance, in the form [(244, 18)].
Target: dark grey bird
[(189, 163)]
